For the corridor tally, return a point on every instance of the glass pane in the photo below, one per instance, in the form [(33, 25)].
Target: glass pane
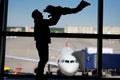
[(22, 57), (111, 58), (21, 54), (20, 20), (113, 44), (111, 17)]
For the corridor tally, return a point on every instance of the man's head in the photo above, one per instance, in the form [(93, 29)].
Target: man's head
[(37, 14)]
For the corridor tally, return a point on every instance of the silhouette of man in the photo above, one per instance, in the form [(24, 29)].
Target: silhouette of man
[(42, 38), (42, 31)]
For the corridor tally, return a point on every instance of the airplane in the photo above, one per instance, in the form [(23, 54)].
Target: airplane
[(67, 63)]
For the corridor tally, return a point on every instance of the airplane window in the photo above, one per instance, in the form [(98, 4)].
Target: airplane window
[(67, 61), (72, 61), (58, 61), (76, 61), (62, 61)]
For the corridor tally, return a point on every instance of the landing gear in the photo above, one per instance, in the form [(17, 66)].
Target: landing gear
[(49, 71)]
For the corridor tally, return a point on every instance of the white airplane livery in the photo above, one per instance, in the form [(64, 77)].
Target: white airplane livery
[(67, 63)]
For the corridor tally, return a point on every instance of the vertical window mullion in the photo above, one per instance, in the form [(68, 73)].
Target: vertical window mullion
[(3, 24), (100, 36)]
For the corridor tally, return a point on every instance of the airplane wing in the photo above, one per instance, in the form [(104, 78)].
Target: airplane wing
[(54, 49), (22, 58), (52, 63), (31, 60)]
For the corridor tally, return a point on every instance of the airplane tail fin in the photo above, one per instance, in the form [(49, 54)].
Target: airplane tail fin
[(66, 44)]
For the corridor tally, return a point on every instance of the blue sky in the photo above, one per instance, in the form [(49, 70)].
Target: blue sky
[(19, 12)]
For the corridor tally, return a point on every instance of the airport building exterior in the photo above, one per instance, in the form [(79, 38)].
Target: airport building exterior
[(91, 29), (75, 29)]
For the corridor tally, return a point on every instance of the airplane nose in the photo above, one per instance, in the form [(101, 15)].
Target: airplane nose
[(72, 69), (69, 70)]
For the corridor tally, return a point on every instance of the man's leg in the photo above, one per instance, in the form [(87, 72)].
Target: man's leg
[(43, 54)]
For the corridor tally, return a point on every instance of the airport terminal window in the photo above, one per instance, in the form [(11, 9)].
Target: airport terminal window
[(112, 45), (13, 39), (20, 20), (95, 31), (111, 28), (111, 17), (19, 56), (82, 22)]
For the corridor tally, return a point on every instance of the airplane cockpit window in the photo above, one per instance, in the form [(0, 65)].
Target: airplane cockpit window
[(66, 61), (76, 61), (72, 61), (62, 61)]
